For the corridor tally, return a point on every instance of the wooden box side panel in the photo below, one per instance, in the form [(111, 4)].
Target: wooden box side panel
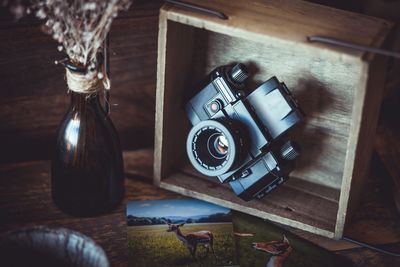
[(294, 205), (327, 137), (365, 119), (289, 20), (328, 107), (174, 65)]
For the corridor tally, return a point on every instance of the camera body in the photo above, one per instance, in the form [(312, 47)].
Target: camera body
[(237, 138)]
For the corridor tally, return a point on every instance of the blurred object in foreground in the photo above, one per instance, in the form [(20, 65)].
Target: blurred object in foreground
[(50, 247)]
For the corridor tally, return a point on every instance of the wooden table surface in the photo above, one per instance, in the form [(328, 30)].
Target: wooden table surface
[(25, 201)]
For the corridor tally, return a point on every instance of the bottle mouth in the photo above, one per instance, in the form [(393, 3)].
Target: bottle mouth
[(72, 67), (66, 63)]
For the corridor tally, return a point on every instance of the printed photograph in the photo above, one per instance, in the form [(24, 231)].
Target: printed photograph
[(261, 243), (179, 232)]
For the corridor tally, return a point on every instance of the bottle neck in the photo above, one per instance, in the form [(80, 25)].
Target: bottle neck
[(84, 88), (80, 101)]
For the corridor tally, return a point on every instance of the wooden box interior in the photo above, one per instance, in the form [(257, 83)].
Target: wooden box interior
[(310, 199)]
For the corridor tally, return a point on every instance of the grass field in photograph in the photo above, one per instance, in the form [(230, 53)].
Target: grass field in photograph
[(304, 253), (153, 246)]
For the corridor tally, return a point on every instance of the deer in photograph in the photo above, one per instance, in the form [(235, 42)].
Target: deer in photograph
[(192, 240), (279, 251)]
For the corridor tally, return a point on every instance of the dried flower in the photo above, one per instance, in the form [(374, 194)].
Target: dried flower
[(79, 26), (18, 7)]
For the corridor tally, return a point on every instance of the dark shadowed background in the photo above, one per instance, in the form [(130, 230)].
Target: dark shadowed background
[(33, 92), (33, 99)]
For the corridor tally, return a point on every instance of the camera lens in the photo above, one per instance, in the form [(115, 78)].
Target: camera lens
[(214, 147), (218, 145), (222, 144)]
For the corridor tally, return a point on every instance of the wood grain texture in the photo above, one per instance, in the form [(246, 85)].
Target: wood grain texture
[(286, 206), (299, 19), (173, 72), (25, 201), (28, 74), (387, 144), (339, 90), (360, 143), (33, 95), (375, 220), (388, 148), (326, 99)]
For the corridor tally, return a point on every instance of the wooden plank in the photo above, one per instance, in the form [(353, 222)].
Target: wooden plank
[(28, 129), (375, 220), (387, 143), (362, 133), (174, 65), (322, 202), (285, 206), (320, 191), (31, 188), (25, 201), (158, 132), (139, 163), (244, 21), (19, 182)]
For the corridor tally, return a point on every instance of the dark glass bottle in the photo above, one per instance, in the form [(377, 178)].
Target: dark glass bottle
[(87, 167)]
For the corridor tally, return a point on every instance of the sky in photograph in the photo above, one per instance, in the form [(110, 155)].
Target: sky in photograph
[(176, 207)]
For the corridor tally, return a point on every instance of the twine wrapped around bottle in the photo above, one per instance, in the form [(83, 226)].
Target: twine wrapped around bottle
[(83, 83), (86, 83)]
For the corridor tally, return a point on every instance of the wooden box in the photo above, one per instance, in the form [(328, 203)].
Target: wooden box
[(339, 90)]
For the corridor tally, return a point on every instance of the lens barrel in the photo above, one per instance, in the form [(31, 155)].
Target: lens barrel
[(214, 147)]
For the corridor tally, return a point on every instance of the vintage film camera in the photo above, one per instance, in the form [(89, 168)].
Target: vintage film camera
[(237, 138)]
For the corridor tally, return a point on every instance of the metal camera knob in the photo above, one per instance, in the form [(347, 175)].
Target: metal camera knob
[(239, 73), (289, 151)]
